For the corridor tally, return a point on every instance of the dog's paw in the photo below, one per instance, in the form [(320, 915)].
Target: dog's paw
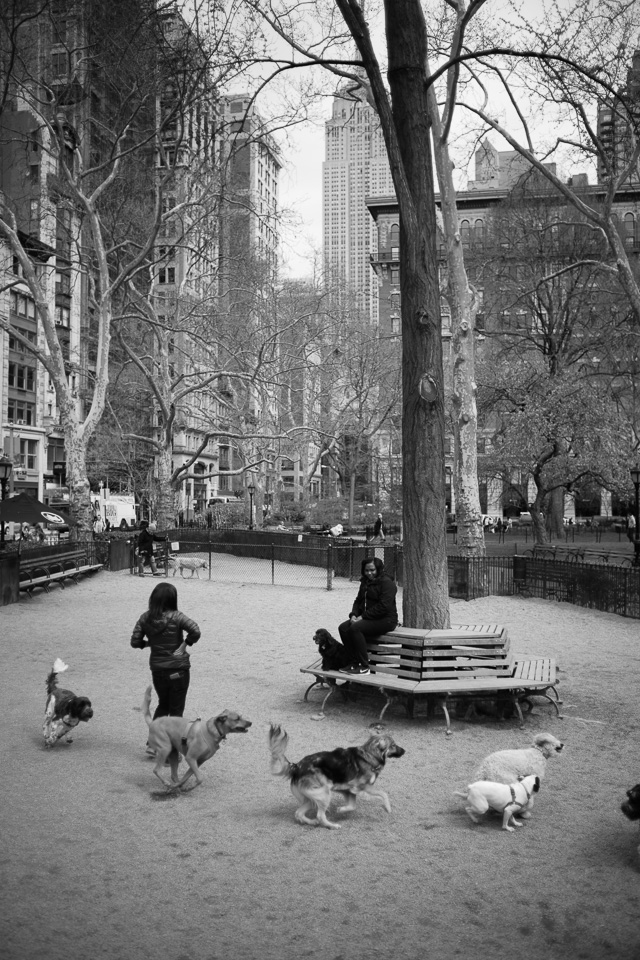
[(525, 816), (510, 829)]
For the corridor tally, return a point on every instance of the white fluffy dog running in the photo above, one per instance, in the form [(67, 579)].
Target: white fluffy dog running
[(507, 799), (505, 766)]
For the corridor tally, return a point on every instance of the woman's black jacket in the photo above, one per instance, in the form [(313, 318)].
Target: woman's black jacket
[(376, 599)]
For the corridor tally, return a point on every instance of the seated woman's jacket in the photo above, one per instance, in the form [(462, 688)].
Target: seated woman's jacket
[(376, 599), (164, 635)]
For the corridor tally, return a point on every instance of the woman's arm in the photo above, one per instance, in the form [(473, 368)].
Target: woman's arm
[(138, 635), (192, 630)]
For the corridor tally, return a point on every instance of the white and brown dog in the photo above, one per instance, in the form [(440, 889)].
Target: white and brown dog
[(177, 562), (195, 740), (505, 766), (63, 710), (350, 771), (507, 799)]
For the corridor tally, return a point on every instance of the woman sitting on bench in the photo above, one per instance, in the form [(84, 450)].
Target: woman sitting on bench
[(374, 613)]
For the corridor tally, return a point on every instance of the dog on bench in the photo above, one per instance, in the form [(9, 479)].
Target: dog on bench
[(196, 740), (177, 562), (331, 650)]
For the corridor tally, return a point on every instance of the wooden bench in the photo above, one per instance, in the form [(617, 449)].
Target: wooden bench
[(54, 568), (468, 663)]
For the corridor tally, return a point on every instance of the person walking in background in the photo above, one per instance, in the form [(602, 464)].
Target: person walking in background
[(631, 527), (378, 530), (373, 613), (161, 628), (145, 549)]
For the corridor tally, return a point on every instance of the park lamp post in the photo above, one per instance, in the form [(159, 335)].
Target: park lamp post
[(6, 466), (635, 476), (251, 488)]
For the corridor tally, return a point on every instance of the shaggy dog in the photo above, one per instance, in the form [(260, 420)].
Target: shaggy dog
[(331, 650), (350, 771), (505, 766), (196, 740), (506, 799), (63, 710), (631, 806), (186, 563)]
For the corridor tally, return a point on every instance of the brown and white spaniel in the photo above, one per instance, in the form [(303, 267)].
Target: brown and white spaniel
[(64, 710)]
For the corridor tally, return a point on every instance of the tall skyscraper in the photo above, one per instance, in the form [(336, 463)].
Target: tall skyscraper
[(355, 167)]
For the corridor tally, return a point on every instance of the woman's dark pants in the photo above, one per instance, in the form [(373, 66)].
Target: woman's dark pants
[(171, 687), (354, 636)]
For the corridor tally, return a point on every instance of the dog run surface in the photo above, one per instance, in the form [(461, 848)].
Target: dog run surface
[(99, 863)]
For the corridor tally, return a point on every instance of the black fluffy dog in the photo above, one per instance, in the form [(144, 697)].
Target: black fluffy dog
[(64, 710), (631, 806), (331, 650)]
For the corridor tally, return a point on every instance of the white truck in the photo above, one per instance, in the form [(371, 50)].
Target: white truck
[(118, 508)]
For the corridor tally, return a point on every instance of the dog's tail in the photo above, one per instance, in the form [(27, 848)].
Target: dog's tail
[(146, 705), (461, 793), (278, 740), (59, 666)]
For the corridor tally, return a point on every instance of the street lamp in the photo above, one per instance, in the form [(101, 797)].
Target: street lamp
[(635, 476), (251, 488), (6, 466)]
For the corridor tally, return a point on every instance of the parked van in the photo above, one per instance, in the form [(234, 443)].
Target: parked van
[(118, 508)]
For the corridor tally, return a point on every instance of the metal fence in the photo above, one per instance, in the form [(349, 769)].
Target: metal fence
[(298, 560)]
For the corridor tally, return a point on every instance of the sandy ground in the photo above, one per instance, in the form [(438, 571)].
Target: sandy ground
[(96, 865)]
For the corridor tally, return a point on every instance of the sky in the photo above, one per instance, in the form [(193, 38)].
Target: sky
[(301, 191)]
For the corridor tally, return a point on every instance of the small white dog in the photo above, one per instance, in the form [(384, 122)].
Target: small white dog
[(505, 766), (177, 562), (509, 800)]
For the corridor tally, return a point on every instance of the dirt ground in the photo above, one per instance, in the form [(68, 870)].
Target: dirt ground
[(96, 864)]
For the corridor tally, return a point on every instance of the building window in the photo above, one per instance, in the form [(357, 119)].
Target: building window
[(20, 412), (465, 233), (63, 316), (630, 230), (29, 453), (167, 275), (59, 65)]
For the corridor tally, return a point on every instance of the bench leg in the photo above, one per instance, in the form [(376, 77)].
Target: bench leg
[(316, 683), (445, 710)]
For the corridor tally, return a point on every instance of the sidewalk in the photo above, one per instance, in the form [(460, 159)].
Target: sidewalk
[(96, 864)]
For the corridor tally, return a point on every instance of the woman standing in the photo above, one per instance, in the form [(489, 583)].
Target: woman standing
[(374, 613), (162, 625)]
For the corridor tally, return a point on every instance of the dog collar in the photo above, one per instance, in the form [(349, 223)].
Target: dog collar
[(222, 736)]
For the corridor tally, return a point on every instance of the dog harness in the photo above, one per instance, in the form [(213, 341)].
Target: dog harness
[(186, 736), (514, 801)]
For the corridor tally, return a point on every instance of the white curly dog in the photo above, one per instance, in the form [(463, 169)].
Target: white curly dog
[(505, 766)]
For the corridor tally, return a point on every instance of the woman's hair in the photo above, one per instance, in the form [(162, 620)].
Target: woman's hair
[(163, 597), (376, 561)]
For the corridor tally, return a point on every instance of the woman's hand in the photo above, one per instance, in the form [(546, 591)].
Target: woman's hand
[(181, 650)]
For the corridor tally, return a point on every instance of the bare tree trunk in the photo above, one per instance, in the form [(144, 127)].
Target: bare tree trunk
[(555, 512), (464, 307), (426, 593)]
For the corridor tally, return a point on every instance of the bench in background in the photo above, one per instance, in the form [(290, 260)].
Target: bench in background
[(43, 571)]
